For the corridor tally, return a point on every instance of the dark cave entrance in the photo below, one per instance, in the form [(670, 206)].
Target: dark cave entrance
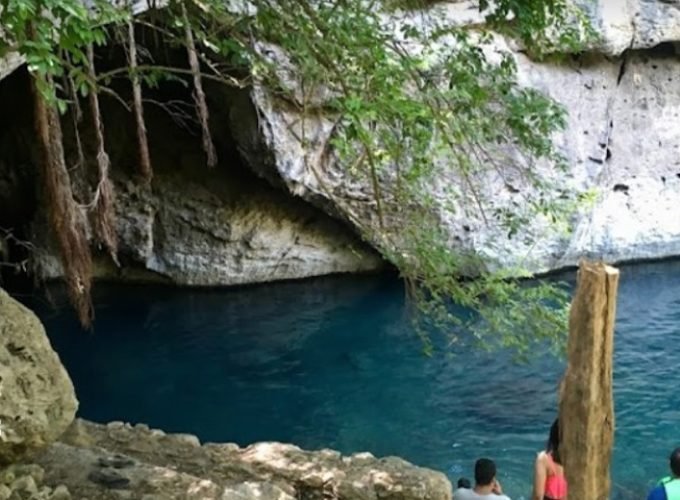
[(173, 133), (174, 136)]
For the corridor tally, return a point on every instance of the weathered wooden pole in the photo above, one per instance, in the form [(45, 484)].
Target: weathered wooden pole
[(586, 402)]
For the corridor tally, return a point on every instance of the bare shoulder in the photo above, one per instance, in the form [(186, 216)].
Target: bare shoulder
[(541, 457)]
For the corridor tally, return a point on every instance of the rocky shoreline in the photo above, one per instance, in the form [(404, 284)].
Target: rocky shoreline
[(121, 461), (47, 454)]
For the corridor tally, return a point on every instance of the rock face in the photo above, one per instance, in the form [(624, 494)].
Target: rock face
[(634, 24), (211, 232), (121, 461), (37, 401), (621, 141), (620, 24)]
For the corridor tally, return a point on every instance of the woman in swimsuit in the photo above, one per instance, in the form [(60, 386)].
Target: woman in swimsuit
[(549, 480)]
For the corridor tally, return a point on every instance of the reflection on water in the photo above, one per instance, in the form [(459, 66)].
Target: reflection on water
[(334, 363)]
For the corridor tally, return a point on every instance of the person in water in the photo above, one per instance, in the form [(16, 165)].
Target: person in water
[(549, 480), (486, 485), (669, 487)]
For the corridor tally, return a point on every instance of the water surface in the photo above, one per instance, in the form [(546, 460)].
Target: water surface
[(335, 363)]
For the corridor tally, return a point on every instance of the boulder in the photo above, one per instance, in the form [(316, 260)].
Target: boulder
[(37, 400)]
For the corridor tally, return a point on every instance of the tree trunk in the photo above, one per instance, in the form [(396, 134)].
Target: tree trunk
[(587, 405), (104, 209), (143, 143), (65, 218), (199, 95)]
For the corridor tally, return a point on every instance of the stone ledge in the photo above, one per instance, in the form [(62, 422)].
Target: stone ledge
[(118, 460)]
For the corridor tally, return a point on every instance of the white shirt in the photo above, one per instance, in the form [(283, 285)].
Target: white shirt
[(468, 494)]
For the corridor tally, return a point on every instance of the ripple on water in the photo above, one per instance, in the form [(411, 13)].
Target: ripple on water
[(334, 363)]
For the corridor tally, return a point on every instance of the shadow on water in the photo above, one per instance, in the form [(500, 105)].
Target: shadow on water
[(334, 362)]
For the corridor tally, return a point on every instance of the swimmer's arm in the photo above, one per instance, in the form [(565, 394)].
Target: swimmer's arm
[(539, 478)]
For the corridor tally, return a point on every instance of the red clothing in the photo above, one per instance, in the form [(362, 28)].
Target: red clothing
[(555, 483)]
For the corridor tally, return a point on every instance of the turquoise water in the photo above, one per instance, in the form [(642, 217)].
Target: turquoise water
[(334, 363)]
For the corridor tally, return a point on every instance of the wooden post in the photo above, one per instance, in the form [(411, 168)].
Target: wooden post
[(587, 405)]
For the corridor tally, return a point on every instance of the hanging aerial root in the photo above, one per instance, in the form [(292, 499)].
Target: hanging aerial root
[(77, 172), (76, 114), (142, 141), (104, 208), (63, 213), (199, 95)]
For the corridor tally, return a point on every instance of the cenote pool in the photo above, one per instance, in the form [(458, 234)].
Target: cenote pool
[(334, 363)]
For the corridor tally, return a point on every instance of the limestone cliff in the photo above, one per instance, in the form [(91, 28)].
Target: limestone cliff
[(621, 141)]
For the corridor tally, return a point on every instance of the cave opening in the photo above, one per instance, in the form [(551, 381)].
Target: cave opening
[(18, 186), (178, 160)]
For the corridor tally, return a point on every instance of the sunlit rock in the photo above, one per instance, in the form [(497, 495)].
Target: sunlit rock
[(621, 143), (93, 460), (37, 400)]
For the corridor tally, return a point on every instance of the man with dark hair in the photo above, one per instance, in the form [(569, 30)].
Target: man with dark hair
[(486, 485), (669, 487)]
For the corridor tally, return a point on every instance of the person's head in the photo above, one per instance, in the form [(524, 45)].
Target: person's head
[(485, 472), (464, 483), (553, 444), (675, 462)]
